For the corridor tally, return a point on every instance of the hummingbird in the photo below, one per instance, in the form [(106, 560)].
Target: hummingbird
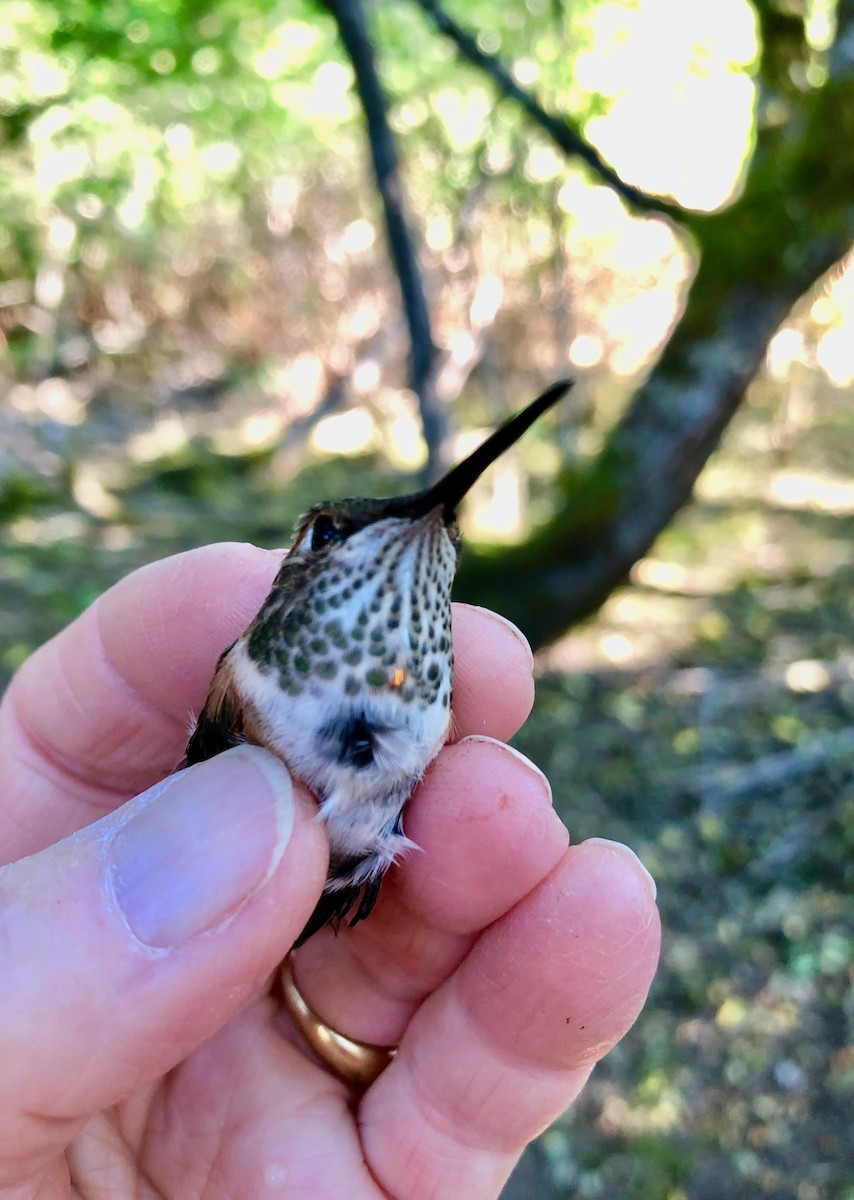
[(346, 672)]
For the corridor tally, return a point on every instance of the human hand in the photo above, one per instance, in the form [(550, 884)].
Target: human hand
[(143, 1047)]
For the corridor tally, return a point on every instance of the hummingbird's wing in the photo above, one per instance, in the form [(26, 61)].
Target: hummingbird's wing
[(220, 724)]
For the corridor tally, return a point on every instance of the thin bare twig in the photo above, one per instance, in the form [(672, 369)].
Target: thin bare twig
[(353, 31), (561, 131)]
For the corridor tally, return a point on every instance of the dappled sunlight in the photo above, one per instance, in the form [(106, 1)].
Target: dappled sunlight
[(286, 48), (52, 398), (680, 116), (620, 278), (833, 313), (165, 437), (820, 336), (547, 269), (403, 438), (89, 492), (651, 1113), (389, 424), (496, 512), (300, 379), (261, 429), (632, 631), (328, 98), (811, 491), (692, 579), (807, 675), (48, 531), (353, 432), (467, 114), (821, 491), (835, 354), (647, 266)]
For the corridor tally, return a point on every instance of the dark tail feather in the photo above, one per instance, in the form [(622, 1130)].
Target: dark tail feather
[(334, 907)]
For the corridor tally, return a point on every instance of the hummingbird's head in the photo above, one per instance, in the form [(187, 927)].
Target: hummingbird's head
[(328, 526), (331, 524), (362, 600)]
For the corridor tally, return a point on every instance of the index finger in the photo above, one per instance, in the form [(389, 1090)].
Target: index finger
[(102, 710)]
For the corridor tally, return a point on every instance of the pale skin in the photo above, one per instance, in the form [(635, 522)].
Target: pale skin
[(503, 960)]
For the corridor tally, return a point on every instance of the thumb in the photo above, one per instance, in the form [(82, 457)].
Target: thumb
[(130, 943)]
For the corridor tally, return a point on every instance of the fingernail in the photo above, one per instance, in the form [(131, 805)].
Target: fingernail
[(198, 845), (514, 753), (627, 853), (509, 626)]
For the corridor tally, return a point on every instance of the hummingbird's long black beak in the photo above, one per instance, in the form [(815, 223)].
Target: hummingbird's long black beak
[(450, 489)]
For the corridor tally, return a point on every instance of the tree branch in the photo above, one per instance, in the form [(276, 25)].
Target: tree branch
[(565, 136), (793, 221), (353, 31)]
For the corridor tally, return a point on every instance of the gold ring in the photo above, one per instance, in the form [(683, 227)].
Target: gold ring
[(356, 1063)]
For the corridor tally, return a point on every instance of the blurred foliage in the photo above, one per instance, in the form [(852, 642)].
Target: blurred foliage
[(164, 164), (190, 258)]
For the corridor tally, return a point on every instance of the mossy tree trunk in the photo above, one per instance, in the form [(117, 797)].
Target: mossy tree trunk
[(793, 220)]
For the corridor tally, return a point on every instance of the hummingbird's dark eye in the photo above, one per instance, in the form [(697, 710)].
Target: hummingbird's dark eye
[(323, 531)]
